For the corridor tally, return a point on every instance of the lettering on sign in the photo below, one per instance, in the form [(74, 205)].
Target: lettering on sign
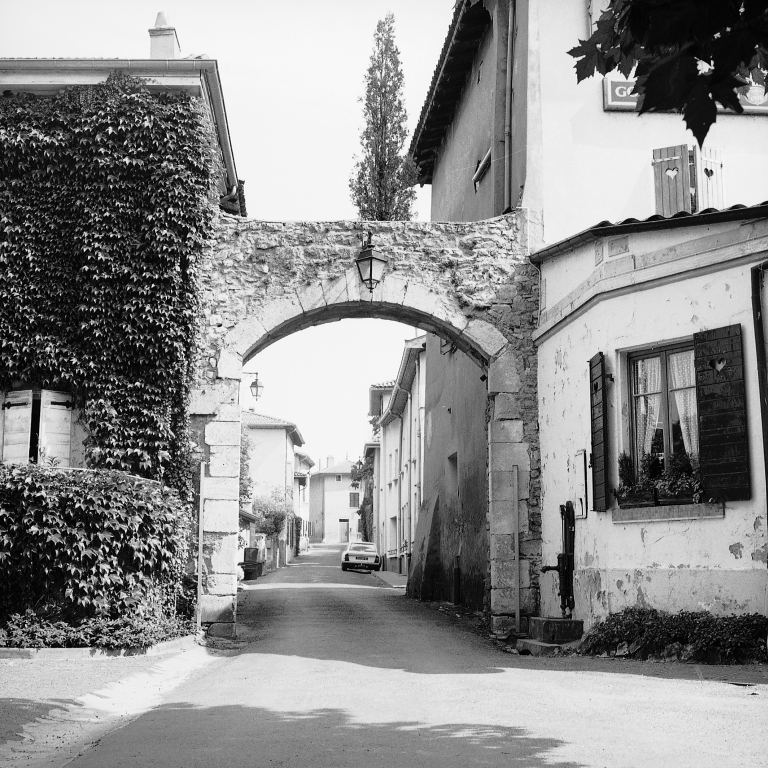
[(619, 96)]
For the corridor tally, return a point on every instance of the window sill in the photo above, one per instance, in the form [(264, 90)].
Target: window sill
[(667, 511)]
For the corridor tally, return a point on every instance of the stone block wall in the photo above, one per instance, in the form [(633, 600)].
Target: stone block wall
[(470, 283)]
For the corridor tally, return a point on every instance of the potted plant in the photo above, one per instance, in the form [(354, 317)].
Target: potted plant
[(680, 481), (632, 491)]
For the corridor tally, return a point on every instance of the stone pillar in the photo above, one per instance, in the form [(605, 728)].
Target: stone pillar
[(509, 482), (220, 442)]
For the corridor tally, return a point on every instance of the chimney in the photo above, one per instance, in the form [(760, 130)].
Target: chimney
[(163, 42), (330, 462)]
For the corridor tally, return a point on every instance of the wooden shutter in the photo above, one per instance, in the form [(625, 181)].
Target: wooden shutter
[(709, 178), (722, 409), (672, 180), (55, 427), (17, 426), (598, 411)]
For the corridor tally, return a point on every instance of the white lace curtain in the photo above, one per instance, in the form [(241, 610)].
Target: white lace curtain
[(682, 379), (648, 404)]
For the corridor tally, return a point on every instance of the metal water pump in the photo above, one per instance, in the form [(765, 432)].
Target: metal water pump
[(565, 560)]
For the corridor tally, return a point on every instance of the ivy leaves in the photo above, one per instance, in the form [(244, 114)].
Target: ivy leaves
[(95, 543), (104, 206)]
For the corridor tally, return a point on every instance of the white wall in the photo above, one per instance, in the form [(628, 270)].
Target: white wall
[(713, 564), (597, 164)]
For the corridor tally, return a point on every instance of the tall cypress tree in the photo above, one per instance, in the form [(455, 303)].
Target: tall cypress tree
[(382, 180)]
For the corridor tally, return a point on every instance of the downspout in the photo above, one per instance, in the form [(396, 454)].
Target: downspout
[(409, 536), (762, 366), (399, 493), (508, 113)]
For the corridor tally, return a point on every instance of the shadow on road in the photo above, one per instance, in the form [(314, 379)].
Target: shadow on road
[(15, 713), (320, 738)]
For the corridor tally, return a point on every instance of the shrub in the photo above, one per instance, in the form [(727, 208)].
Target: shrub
[(89, 543), (272, 512), (647, 631), (29, 630)]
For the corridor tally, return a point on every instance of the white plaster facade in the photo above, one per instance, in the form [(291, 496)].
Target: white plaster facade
[(400, 456), (664, 285), (334, 502)]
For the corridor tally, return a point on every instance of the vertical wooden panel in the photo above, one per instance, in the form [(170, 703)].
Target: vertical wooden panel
[(17, 426), (599, 422), (55, 427), (722, 410), (709, 167), (672, 180)]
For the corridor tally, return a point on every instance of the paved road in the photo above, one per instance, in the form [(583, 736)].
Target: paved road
[(341, 670)]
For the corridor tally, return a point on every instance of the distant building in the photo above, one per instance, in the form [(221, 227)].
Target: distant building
[(277, 470), (334, 504)]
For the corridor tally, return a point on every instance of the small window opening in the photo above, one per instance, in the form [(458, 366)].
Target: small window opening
[(34, 435)]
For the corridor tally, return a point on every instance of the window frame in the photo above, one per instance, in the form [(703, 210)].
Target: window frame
[(661, 351), (356, 496)]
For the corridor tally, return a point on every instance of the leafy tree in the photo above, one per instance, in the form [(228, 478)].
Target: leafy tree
[(689, 54), (382, 181)]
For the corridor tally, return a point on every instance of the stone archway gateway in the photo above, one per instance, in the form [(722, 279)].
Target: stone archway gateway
[(471, 283)]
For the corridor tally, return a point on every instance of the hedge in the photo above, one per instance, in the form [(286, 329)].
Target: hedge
[(79, 544)]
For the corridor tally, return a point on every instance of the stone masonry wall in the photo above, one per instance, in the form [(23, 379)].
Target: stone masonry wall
[(471, 283)]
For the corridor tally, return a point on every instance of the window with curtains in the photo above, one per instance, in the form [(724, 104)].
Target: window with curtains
[(665, 430)]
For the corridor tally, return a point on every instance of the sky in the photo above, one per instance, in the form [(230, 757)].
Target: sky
[(292, 75)]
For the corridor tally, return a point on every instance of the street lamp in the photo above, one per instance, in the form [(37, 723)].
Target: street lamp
[(256, 387), (370, 264)]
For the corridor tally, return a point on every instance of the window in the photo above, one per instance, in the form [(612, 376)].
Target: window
[(36, 427), (687, 414), (338, 478), (354, 500), (665, 428)]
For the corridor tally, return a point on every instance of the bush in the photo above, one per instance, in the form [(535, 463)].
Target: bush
[(272, 512), (89, 543), (29, 630), (692, 635)]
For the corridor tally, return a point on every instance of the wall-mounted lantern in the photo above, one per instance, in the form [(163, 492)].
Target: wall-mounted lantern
[(256, 387), (370, 264)]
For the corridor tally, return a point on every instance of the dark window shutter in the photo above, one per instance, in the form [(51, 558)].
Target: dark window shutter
[(672, 180), (721, 398), (599, 420)]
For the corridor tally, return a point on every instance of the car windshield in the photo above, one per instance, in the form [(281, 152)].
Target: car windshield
[(362, 547)]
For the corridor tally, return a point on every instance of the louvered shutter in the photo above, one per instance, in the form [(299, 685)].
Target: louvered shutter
[(672, 180), (709, 178), (55, 427), (598, 415), (722, 409), (17, 426)]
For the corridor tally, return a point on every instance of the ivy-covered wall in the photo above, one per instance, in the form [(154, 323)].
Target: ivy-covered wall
[(107, 194)]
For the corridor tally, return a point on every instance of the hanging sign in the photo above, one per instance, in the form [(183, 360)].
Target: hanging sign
[(619, 96)]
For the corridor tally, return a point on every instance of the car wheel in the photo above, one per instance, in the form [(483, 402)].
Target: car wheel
[(343, 566)]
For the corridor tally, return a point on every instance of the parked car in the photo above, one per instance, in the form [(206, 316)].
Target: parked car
[(360, 554)]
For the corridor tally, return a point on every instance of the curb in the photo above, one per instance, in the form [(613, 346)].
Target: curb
[(167, 646)]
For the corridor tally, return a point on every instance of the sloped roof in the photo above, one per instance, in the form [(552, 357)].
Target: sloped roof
[(253, 420), (469, 23), (657, 222), (340, 468), (405, 377)]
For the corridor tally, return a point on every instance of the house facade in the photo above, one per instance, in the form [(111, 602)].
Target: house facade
[(399, 476), (277, 471), (334, 503), (650, 349), (39, 424)]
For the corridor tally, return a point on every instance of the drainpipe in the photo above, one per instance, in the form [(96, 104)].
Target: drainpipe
[(399, 493), (508, 112), (200, 533), (762, 366)]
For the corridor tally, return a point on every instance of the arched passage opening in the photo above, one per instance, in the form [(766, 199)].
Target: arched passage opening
[(468, 284)]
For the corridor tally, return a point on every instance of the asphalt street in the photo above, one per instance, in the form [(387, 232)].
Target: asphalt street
[(340, 669)]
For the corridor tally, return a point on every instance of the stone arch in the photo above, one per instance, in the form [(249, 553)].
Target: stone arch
[(469, 283)]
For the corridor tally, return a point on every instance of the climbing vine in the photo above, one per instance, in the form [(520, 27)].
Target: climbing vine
[(106, 196)]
